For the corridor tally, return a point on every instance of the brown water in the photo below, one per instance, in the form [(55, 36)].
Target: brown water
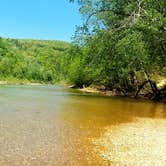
[(51, 125)]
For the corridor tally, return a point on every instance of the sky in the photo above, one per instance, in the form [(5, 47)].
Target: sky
[(38, 19)]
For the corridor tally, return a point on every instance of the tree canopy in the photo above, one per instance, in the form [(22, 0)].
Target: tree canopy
[(122, 40)]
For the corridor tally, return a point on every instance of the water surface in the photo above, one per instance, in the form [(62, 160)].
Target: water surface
[(53, 125)]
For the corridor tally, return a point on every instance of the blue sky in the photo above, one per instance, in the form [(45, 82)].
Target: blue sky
[(38, 19)]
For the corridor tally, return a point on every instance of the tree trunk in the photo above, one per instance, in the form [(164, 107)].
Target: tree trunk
[(140, 87), (156, 95)]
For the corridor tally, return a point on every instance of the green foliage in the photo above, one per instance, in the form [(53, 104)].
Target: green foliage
[(119, 42), (121, 39), (31, 59)]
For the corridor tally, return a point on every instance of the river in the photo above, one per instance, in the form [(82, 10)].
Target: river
[(56, 126)]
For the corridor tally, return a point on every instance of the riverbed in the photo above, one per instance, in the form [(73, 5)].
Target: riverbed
[(58, 126)]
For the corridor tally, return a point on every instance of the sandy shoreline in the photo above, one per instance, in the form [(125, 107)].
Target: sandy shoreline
[(3, 82), (19, 83), (96, 91), (142, 142)]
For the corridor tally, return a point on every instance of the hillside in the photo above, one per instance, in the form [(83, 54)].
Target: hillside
[(32, 60)]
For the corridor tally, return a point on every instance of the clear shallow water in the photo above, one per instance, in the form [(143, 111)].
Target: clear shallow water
[(51, 125)]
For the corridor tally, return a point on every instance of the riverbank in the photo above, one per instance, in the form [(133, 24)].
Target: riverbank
[(20, 82), (101, 91), (15, 81), (141, 142), (97, 91)]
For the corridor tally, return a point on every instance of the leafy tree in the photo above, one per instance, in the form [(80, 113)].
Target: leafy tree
[(123, 38)]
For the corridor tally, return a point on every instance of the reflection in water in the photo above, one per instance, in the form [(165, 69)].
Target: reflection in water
[(55, 126)]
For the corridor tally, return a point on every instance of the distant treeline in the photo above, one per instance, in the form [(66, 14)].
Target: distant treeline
[(33, 60)]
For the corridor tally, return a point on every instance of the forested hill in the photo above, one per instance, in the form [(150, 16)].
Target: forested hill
[(121, 47), (32, 60)]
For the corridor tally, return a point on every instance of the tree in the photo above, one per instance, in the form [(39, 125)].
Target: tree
[(123, 38)]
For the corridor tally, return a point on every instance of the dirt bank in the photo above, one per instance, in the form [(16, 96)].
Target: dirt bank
[(143, 95), (97, 91)]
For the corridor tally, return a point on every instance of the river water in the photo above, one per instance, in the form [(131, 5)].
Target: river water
[(53, 125)]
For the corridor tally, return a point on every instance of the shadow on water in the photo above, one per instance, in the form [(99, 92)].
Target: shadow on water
[(110, 110)]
